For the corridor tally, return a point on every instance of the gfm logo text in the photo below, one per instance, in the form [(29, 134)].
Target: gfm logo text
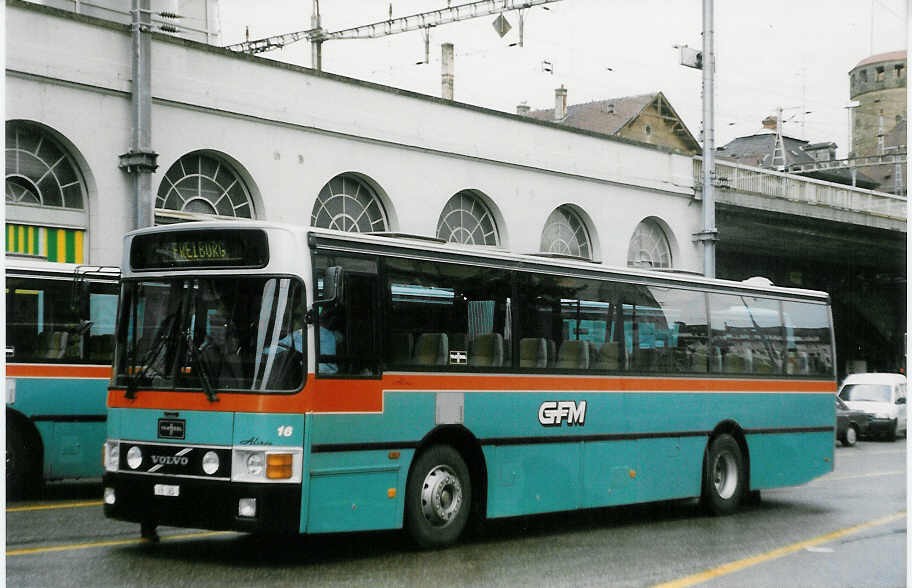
[(555, 413)]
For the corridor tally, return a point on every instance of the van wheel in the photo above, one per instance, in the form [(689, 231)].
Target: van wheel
[(724, 476), (438, 497)]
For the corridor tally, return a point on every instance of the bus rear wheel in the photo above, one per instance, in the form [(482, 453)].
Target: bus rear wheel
[(724, 476), (20, 475), (438, 497)]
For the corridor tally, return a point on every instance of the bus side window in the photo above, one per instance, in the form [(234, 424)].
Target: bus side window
[(568, 323), (682, 330), (809, 345), (747, 334), (446, 316), (42, 325)]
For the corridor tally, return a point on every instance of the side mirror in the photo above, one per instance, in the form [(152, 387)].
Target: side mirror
[(901, 400), (333, 285)]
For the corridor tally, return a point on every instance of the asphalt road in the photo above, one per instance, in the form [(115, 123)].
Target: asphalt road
[(846, 529)]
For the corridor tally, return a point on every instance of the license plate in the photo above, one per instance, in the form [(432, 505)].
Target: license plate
[(167, 490)]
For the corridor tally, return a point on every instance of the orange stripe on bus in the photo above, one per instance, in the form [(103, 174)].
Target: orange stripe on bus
[(367, 395), (50, 370)]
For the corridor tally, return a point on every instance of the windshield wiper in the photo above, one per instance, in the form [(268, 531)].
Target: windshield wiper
[(164, 335), (205, 380)]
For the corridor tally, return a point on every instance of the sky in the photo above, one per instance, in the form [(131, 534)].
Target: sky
[(794, 54)]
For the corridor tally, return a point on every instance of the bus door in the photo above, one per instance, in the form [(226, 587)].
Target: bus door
[(346, 327)]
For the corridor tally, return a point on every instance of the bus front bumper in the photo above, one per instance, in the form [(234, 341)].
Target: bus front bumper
[(203, 504)]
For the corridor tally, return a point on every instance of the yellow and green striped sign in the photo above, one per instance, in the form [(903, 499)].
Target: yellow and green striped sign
[(63, 245)]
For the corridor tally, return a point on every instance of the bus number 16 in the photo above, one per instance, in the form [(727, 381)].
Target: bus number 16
[(285, 431)]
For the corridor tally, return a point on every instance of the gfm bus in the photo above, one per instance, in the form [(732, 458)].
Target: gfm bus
[(59, 344), (291, 379)]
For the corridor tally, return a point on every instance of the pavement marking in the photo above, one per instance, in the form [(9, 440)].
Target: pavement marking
[(831, 478), (52, 506), (870, 453), (75, 546), (741, 564)]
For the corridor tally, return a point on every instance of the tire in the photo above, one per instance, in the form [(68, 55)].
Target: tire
[(724, 476), (20, 464), (438, 497), (850, 437), (891, 434)]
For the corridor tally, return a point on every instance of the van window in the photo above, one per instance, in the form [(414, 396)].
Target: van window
[(866, 393)]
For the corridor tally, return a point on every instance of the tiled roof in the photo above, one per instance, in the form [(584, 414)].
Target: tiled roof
[(757, 150), (881, 57), (601, 116)]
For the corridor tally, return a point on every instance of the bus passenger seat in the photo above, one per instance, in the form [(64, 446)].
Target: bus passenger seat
[(486, 350), (607, 357), (431, 349), (532, 353), (552, 352), (57, 345), (401, 345), (573, 354), (457, 341)]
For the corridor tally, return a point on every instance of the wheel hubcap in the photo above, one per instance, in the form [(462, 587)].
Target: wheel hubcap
[(725, 475), (850, 436), (441, 496)]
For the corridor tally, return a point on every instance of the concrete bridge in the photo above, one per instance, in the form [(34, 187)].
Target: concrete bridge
[(805, 232)]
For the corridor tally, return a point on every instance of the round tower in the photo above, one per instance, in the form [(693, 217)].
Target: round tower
[(878, 83)]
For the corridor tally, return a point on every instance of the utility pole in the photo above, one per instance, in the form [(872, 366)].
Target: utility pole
[(710, 234), (705, 60), (140, 161), (316, 40)]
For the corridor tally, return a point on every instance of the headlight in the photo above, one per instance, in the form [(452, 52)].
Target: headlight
[(255, 463), (112, 456), (267, 464), (210, 462), (134, 457)]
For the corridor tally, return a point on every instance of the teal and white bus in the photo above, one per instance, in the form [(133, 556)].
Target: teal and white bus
[(59, 344), (270, 378)]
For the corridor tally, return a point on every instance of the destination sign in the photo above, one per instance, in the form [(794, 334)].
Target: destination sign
[(202, 248)]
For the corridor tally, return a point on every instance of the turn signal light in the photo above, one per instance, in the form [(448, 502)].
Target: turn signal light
[(278, 466)]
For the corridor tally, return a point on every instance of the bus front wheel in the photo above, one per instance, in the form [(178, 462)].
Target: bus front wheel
[(724, 476), (438, 497)]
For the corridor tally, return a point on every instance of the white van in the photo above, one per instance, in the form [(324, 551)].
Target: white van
[(882, 397)]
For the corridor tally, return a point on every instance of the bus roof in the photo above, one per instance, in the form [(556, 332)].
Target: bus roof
[(424, 247), (28, 265)]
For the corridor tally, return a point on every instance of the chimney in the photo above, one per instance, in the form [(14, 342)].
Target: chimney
[(769, 123), (560, 103), (523, 109), (447, 71)]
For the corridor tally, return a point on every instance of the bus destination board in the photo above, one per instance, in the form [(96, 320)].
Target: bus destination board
[(195, 249)]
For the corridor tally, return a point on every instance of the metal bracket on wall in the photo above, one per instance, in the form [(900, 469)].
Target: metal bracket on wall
[(139, 162)]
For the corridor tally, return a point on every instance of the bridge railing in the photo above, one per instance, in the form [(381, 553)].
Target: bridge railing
[(754, 180)]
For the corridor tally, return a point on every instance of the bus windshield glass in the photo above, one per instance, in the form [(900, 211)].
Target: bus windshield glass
[(211, 334)]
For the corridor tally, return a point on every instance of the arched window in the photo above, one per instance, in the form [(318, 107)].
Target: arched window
[(466, 219), (565, 233), (649, 246), (346, 203), (202, 183), (39, 171)]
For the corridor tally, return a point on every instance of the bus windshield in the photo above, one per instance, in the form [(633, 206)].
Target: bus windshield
[(211, 333)]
